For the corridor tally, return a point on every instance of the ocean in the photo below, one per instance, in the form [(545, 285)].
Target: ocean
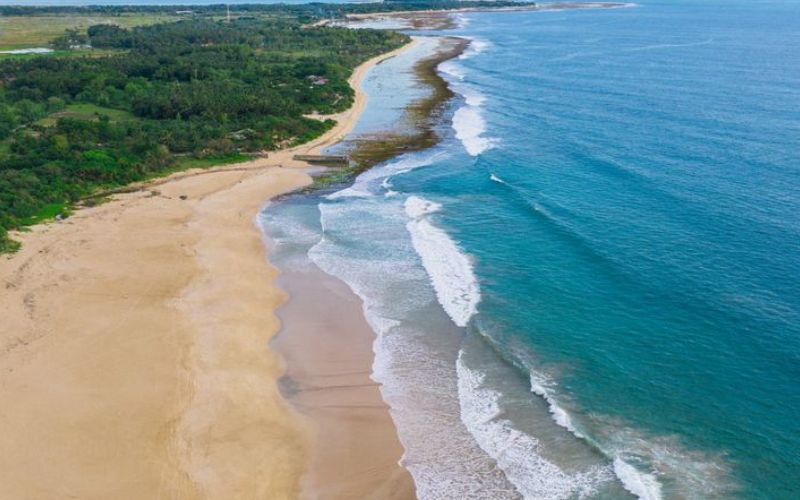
[(591, 287)]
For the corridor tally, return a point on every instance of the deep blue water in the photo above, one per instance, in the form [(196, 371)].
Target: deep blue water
[(612, 225)]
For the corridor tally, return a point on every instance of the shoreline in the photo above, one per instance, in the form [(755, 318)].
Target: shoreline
[(154, 321), (328, 344), (419, 115), (328, 348)]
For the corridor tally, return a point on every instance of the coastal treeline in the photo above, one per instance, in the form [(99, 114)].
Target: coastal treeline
[(149, 99), (305, 11)]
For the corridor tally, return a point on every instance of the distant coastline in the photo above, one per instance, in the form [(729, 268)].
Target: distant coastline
[(442, 18)]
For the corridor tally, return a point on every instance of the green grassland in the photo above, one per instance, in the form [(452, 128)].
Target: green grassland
[(21, 32), (49, 211), (207, 162)]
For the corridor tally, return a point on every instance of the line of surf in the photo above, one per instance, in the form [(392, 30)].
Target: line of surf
[(449, 268), (468, 121)]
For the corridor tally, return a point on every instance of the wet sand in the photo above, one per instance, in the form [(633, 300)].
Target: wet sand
[(327, 345)]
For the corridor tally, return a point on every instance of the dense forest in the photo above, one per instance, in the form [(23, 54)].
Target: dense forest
[(163, 93)]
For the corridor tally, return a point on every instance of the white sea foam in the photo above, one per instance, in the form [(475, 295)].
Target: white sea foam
[(468, 122), (377, 179), (476, 46), (462, 21), (364, 245), (470, 126), (639, 462), (452, 69), (471, 97), (351, 192), (416, 207), (495, 178), (541, 386), (698, 476), (518, 454), (287, 232), (401, 165), (643, 485), (450, 270)]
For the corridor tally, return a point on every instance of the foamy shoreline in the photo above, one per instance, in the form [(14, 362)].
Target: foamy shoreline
[(133, 349)]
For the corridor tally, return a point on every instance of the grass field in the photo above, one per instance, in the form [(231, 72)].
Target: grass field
[(20, 32), (212, 161), (48, 212), (86, 112)]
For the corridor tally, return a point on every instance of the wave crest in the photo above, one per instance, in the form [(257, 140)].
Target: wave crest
[(450, 269), (470, 126), (517, 454), (638, 461)]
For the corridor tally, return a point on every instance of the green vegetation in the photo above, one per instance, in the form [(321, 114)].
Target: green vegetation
[(25, 31), (46, 212), (209, 161), (302, 12), (7, 245), (177, 95), (85, 112)]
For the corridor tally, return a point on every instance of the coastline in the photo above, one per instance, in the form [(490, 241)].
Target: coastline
[(417, 120), (442, 19), (328, 347), (153, 312), (325, 338)]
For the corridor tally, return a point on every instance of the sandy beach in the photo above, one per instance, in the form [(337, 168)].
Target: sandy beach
[(133, 349), (331, 384)]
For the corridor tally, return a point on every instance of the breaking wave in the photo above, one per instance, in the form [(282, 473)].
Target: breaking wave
[(449, 268), (517, 454)]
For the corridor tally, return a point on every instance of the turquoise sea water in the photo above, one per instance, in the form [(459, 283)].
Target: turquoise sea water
[(591, 287)]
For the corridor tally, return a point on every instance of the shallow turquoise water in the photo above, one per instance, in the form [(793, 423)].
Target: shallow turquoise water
[(612, 227)]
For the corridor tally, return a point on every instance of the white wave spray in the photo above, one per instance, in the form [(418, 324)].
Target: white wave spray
[(365, 243), (470, 126), (643, 485), (518, 454), (450, 270), (638, 461), (468, 121)]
